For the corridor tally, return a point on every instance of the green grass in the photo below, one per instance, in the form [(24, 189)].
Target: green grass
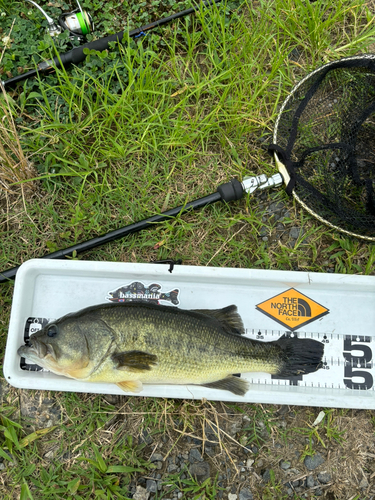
[(134, 131)]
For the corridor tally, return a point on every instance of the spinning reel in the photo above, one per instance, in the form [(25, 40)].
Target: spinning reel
[(78, 22)]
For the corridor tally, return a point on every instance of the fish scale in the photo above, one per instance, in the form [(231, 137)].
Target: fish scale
[(138, 343), (351, 369), (345, 362), (203, 356), (183, 342)]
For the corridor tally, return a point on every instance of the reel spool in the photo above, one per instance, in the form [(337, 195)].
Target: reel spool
[(79, 23)]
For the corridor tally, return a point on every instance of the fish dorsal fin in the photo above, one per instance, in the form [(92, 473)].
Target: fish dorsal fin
[(130, 385), (134, 361), (238, 386), (228, 317)]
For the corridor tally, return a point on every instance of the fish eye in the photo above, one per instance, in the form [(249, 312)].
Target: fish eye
[(52, 331)]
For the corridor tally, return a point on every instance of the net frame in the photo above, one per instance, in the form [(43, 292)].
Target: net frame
[(362, 58)]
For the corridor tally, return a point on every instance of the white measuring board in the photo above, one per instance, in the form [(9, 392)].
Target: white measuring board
[(337, 310)]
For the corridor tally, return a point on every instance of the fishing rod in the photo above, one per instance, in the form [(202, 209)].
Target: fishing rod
[(76, 55), (231, 191)]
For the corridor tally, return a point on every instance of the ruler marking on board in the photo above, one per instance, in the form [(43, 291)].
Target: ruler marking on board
[(347, 358)]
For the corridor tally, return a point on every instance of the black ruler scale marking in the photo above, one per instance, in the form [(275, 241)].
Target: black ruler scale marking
[(347, 363)]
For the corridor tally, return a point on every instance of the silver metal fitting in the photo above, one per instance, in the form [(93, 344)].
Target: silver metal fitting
[(250, 184), (53, 29)]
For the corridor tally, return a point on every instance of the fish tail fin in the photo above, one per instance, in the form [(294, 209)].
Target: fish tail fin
[(300, 356)]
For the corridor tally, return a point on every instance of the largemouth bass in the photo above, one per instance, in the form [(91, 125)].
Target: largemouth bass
[(133, 343)]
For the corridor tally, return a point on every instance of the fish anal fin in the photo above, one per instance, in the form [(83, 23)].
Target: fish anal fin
[(130, 385), (228, 317), (134, 361), (238, 386)]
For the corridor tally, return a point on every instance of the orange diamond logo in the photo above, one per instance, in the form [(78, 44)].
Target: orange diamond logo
[(292, 309)]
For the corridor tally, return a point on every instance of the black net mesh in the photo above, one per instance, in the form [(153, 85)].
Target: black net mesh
[(325, 135)]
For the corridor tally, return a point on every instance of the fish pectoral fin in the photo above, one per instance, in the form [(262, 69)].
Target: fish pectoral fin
[(238, 386), (134, 361), (130, 385)]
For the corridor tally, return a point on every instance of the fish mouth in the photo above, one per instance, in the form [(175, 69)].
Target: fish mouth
[(35, 350)]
